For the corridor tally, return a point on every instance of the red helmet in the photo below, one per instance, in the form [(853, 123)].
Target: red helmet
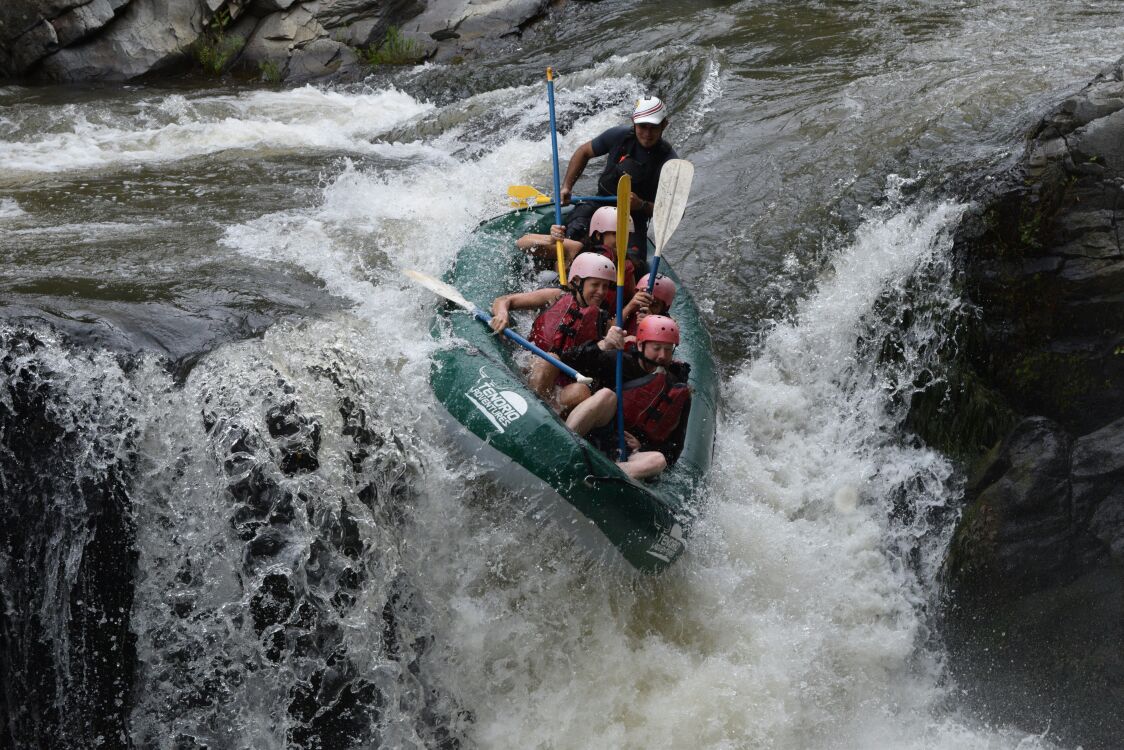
[(658, 328), (664, 289), (605, 220), (593, 266)]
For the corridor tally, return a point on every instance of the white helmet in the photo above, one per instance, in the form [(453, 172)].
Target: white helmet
[(649, 109), (604, 220)]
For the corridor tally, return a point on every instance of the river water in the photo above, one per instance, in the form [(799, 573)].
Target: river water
[(202, 296)]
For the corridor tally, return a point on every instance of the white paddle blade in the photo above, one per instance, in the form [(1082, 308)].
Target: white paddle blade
[(671, 199), (439, 287)]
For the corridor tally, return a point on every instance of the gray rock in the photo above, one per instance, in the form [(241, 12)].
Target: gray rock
[(1017, 532), (272, 6), (1107, 523), (82, 21), (278, 34), (460, 25), (37, 42), (344, 12), (1101, 138), (1036, 604), (1046, 151), (320, 58), (1045, 264), (361, 33), (149, 35), (1095, 102), (1100, 454), (18, 16), (1095, 275)]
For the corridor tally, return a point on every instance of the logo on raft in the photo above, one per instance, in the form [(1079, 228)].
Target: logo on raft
[(500, 407), (669, 545)]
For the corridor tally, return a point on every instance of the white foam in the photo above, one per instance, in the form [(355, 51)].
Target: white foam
[(791, 623), (88, 231), (416, 218), (10, 209), (175, 128)]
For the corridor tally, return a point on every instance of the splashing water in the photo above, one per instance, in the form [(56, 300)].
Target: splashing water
[(315, 565)]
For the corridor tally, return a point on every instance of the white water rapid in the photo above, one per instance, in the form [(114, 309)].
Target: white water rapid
[(315, 564)]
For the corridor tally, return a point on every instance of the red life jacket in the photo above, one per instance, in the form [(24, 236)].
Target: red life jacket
[(565, 324), (631, 326), (653, 406)]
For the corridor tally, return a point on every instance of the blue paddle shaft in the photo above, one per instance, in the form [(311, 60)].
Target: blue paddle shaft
[(569, 371), (554, 152), (652, 273)]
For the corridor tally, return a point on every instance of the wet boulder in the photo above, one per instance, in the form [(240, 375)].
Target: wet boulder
[(1035, 606)]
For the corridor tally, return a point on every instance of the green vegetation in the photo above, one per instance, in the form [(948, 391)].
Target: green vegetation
[(394, 49), (270, 71), (214, 49)]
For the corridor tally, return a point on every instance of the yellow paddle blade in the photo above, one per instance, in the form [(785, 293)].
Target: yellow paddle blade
[(525, 195), (624, 195)]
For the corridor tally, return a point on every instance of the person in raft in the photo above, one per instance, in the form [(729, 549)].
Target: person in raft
[(658, 303), (601, 238), (573, 317), (657, 398), (639, 151)]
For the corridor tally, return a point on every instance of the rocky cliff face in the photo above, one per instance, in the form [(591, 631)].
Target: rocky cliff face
[(1036, 570), (117, 40)]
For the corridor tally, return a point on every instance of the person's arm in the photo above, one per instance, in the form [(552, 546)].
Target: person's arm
[(588, 359), (543, 245), (638, 204), (640, 301), (575, 168), (597, 359), (503, 305)]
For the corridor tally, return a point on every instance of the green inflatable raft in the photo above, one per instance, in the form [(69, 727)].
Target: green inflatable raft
[(503, 427)]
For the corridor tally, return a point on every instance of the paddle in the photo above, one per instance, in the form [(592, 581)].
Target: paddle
[(451, 294), (624, 193), (525, 195), (557, 182), (671, 200)]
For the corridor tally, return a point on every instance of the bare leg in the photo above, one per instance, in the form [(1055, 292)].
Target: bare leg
[(543, 375), (595, 411), (572, 395), (643, 464)]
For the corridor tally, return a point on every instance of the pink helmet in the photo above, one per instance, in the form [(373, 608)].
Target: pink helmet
[(593, 266), (663, 290), (659, 328), (605, 220)]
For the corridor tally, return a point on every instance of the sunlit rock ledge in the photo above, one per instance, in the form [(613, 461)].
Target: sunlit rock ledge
[(1036, 403), (280, 40)]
